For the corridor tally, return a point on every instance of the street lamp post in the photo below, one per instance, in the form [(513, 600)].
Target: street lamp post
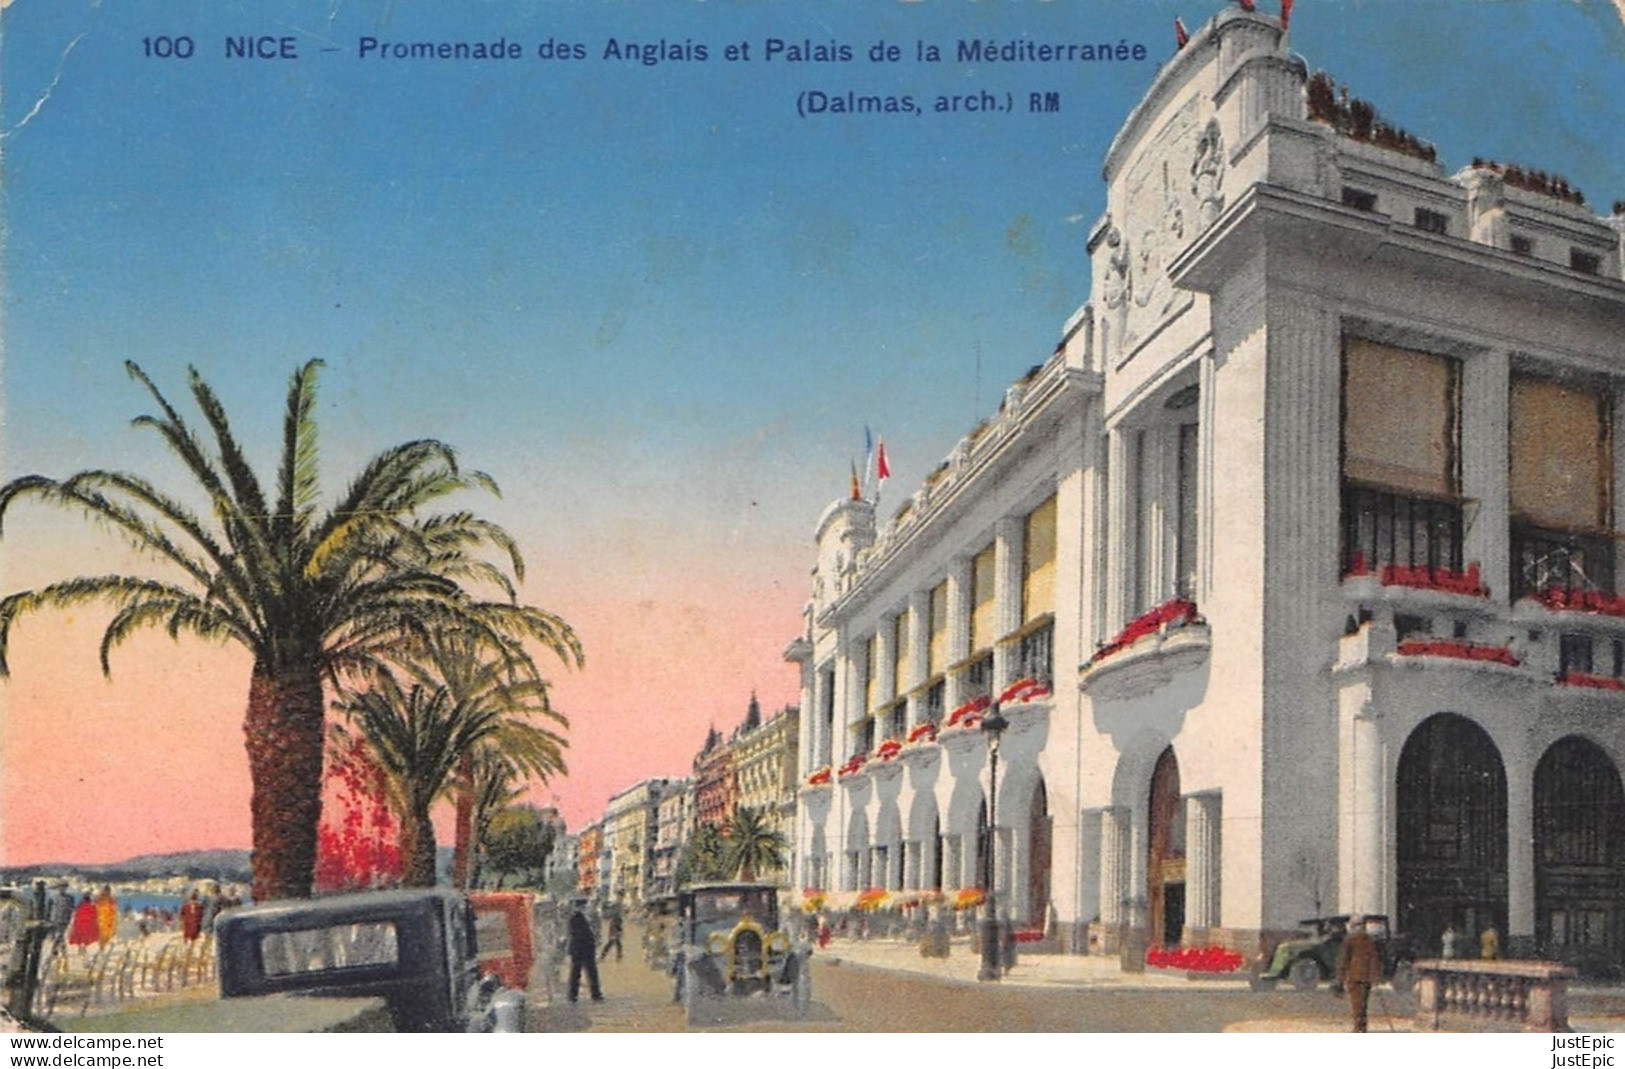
[(993, 726)]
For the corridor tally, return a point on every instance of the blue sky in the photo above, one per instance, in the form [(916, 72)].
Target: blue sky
[(657, 305)]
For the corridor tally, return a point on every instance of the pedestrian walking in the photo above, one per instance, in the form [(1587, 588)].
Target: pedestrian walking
[(1359, 966), (614, 939), (583, 955)]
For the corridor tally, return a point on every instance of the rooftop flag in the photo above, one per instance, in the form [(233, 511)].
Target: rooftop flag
[(882, 469), (1181, 36), (857, 493), (1286, 14)]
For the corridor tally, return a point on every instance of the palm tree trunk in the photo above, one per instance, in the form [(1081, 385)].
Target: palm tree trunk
[(420, 858), (284, 726), (463, 848)]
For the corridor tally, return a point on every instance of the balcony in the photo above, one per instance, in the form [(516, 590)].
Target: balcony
[(1565, 578), (1151, 650), (1383, 529)]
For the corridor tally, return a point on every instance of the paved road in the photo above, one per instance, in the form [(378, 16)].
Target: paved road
[(855, 998)]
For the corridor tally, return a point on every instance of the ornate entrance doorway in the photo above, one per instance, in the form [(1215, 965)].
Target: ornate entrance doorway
[(1580, 858), (1452, 829), (1165, 866), (1038, 858)]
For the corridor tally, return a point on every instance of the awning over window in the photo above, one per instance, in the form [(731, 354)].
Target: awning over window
[(1400, 420), (1561, 455)]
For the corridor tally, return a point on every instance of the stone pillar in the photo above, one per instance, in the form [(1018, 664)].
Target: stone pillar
[(1007, 557), (1363, 884), (959, 610), (919, 650), (885, 663), (1519, 938), (1115, 835), (1484, 477), (1202, 821)]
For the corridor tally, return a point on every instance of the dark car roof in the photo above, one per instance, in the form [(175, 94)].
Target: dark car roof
[(338, 908)]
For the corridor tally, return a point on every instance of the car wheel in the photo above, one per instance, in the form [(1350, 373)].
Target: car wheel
[(1304, 974), (1404, 977)]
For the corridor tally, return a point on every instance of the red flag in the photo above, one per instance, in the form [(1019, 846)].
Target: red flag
[(1286, 14), (1247, 5), (882, 469), (1181, 38), (857, 494)]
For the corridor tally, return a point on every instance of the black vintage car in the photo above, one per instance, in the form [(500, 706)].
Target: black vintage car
[(415, 950), (730, 950), (1306, 962)]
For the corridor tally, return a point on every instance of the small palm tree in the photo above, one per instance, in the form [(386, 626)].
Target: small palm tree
[(312, 593), (422, 726), (705, 856), (754, 846)]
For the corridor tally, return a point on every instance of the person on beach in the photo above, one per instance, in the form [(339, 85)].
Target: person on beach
[(84, 930), (106, 916)]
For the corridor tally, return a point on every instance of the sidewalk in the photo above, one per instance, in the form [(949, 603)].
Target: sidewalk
[(1596, 1009), (1031, 970)]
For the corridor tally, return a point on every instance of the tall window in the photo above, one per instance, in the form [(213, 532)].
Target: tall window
[(1038, 563), (871, 672), (1185, 513), (826, 716), (902, 661), (1562, 504), (937, 655), (983, 621), (1401, 458), (1138, 516)]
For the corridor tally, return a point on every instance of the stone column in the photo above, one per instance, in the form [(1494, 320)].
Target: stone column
[(1202, 818), (1519, 939), (959, 610), (919, 651), (1485, 391), (1007, 558), (1114, 844)]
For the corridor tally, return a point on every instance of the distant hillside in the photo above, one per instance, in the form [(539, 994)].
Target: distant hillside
[(228, 865)]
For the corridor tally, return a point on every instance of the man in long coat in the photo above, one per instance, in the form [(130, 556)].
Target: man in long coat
[(1359, 966), (583, 955)]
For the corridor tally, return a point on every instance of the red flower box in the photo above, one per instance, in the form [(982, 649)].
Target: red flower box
[(970, 714), (1584, 679), (1170, 614), (853, 764), (1194, 959), (923, 733), (1563, 599), (1464, 651), (889, 749), (1447, 580), (1024, 690), (819, 778), (1029, 935)]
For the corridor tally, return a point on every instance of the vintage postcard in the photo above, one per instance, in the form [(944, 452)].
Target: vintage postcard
[(905, 516)]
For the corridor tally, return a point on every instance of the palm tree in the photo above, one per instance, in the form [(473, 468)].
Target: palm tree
[(703, 858), (455, 704), (753, 844), (312, 593)]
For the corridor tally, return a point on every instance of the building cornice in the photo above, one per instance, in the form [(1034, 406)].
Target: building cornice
[(1030, 406)]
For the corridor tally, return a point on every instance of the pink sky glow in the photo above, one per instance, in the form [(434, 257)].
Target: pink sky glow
[(152, 760)]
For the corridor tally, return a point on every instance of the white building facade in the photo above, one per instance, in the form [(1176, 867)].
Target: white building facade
[(1294, 569)]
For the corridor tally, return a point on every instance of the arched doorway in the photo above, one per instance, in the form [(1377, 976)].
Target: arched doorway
[(1451, 821), (1039, 838), (1580, 857), (1165, 865)]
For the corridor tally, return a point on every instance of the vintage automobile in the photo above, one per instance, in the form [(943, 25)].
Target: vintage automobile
[(1305, 962), (414, 949), (729, 950)]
